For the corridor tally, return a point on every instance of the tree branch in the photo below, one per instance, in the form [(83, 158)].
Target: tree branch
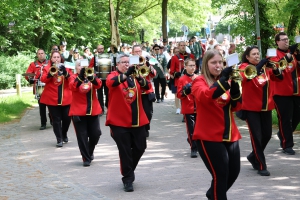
[(146, 9)]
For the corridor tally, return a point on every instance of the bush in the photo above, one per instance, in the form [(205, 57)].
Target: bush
[(10, 66)]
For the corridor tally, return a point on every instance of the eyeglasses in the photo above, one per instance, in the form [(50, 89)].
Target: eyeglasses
[(285, 39), (125, 62), (156, 49), (55, 49)]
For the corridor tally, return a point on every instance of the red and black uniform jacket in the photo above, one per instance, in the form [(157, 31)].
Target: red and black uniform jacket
[(290, 83), (215, 106), (56, 91), (177, 64), (84, 97), (125, 108), (187, 100), (36, 68), (257, 93)]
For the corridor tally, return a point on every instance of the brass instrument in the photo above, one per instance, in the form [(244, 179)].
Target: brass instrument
[(282, 64), (250, 72), (54, 69), (89, 71), (144, 71)]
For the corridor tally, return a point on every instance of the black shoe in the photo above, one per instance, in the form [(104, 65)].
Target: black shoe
[(43, 127), (162, 100), (263, 172), (253, 163), (86, 163), (288, 151), (66, 139), (92, 157), (183, 120), (193, 154), (59, 144), (157, 101), (128, 187)]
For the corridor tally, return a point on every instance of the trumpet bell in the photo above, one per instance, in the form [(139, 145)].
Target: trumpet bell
[(89, 71), (53, 70), (250, 71), (144, 71)]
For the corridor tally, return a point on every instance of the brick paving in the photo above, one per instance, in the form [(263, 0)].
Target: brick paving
[(31, 167)]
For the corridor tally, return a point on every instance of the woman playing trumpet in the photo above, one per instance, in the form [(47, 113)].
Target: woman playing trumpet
[(188, 108), (258, 104), (85, 110), (57, 96), (216, 133)]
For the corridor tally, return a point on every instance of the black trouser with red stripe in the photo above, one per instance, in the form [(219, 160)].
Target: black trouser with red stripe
[(260, 129), (88, 134), (190, 120), (61, 121), (222, 159), (131, 143), (288, 115)]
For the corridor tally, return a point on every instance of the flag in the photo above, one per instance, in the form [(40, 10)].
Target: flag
[(115, 36)]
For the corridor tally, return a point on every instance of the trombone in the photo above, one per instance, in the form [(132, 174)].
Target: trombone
[(281, 64)]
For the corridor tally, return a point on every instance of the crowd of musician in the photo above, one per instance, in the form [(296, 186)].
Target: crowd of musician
[(207, 93)]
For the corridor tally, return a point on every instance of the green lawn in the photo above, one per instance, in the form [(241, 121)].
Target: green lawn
[(275, 120), (12, 107)]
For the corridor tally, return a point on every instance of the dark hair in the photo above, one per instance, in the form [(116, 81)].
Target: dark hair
[(247, 53), (277, 37)]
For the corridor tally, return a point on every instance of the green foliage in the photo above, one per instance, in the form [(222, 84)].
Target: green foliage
[(275, 120), (10, 66), (11, 107)]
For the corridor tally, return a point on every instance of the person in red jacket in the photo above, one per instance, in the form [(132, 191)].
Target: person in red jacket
[(57, 96), (286, 93), (216, 133), (126, 117), (177, 62), (85, 110), (257, 106), (188, 108), (148, 96), (36, 68)]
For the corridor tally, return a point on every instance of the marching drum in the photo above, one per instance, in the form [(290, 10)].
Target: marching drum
[(39, 88), (103, 66)]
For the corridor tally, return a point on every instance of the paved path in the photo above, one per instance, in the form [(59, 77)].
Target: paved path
[(31, 167)]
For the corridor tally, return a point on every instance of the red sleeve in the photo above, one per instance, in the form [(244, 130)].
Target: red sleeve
[(92, 62), (30, 69), (174, 61), (180, 87)]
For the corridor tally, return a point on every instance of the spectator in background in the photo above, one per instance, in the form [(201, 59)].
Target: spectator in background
[(231, 49)]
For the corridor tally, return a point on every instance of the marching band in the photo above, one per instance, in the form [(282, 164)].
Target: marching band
[(208, 101)]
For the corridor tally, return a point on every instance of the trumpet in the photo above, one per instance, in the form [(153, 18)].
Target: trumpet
[(144, 71), (89, 71), (54, 69), (250, 72), (282, 64)]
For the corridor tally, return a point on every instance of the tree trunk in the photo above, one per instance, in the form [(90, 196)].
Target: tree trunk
[(164, 18)]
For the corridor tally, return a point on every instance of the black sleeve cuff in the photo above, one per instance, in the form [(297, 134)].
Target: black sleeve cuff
[(222, 86)]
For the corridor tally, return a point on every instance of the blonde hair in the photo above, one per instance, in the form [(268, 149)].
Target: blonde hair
[(204, 70)]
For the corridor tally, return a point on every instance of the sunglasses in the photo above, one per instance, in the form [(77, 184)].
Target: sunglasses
[(156, 49)]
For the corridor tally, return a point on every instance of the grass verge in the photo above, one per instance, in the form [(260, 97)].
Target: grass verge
[(275, 120), (13, 107)]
